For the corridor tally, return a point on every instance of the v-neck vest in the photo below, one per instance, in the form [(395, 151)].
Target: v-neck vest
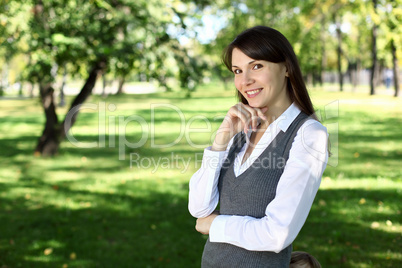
[(249, 195)]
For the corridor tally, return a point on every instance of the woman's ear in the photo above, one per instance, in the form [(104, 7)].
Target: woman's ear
[(287, 73)]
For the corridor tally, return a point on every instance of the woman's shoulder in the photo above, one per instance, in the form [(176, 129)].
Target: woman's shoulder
[(313, 126), (313, 132)]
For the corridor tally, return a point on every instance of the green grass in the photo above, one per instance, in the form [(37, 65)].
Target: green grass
[(87, 207)]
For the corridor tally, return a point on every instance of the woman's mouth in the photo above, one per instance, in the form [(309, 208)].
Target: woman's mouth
[(254, 92)]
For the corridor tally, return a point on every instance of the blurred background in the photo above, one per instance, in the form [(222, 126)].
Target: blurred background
[(106, 106)]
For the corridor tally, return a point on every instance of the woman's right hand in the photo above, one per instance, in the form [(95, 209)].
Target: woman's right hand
[(239, 117)]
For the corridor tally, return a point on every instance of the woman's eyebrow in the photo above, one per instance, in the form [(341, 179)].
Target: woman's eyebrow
[(251, 62)]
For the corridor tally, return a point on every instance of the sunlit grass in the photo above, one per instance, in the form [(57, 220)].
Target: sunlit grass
[(115, 205)]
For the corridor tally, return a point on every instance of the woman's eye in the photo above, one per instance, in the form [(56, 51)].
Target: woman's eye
[(257, 66), (236, 71)]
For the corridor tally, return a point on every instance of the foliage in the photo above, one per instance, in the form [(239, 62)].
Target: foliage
[(87, 208), (132, 36), (139, 37)]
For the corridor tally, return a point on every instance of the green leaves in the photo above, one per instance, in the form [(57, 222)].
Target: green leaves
[(60, 39)]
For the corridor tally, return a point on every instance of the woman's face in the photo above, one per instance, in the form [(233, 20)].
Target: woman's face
[(261, 82)]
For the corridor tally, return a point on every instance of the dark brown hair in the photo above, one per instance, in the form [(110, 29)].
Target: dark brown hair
[(265, 43), (301, 258)]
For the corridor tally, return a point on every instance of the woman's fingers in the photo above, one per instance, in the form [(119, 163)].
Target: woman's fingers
[(243, 114), (250, 115)]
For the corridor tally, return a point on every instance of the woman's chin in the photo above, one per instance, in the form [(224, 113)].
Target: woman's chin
[(255, 105)]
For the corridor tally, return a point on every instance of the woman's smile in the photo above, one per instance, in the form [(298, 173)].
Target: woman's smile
[(253, 92)]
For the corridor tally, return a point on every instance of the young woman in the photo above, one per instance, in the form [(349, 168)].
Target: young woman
[(266, 162)]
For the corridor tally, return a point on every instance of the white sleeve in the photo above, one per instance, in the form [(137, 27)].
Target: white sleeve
[(286, 214), (204, 195)]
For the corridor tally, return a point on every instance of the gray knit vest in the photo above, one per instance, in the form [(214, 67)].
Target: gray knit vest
[(249, 195)]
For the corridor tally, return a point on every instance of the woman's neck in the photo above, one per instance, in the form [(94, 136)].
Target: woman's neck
[(274, 112)]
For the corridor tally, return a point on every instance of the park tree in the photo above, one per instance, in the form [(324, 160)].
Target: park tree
[(386, 22), (392, 17), (94, 37), (11, 29), (374, 30)]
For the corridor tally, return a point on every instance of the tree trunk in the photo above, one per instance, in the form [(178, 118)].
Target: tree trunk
[(352, 73), (31, 89), (54, 133), (310, 78), (5, 83), (374, 54), (48, 143), (122, 80), (85, 92), (63, 84), (379, 74), (395, 68), (323, 54), (339, 52), (104, 85)]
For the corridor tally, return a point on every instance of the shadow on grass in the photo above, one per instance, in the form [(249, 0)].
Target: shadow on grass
[(152, 229), (139, 226), (341, 231)]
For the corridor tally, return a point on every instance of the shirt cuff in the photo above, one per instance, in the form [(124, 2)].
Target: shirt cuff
[(212, 159), (217, 229)]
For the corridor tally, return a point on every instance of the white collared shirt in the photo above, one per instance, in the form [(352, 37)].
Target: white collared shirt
[(297, 187)]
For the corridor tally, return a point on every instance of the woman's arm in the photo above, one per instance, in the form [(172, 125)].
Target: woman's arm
[(204, 196), (296, 190)]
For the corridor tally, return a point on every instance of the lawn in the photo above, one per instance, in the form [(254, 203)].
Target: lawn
[(116, 194)]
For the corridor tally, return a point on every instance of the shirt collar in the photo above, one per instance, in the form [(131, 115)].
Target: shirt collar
[(285, 119)]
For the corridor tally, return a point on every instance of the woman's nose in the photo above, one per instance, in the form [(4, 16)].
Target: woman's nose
[(247, 79)]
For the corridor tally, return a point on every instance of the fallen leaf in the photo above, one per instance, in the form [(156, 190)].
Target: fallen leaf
[(48, 251), (327, 178), (73, 256), (375, 225), (369, 164)]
